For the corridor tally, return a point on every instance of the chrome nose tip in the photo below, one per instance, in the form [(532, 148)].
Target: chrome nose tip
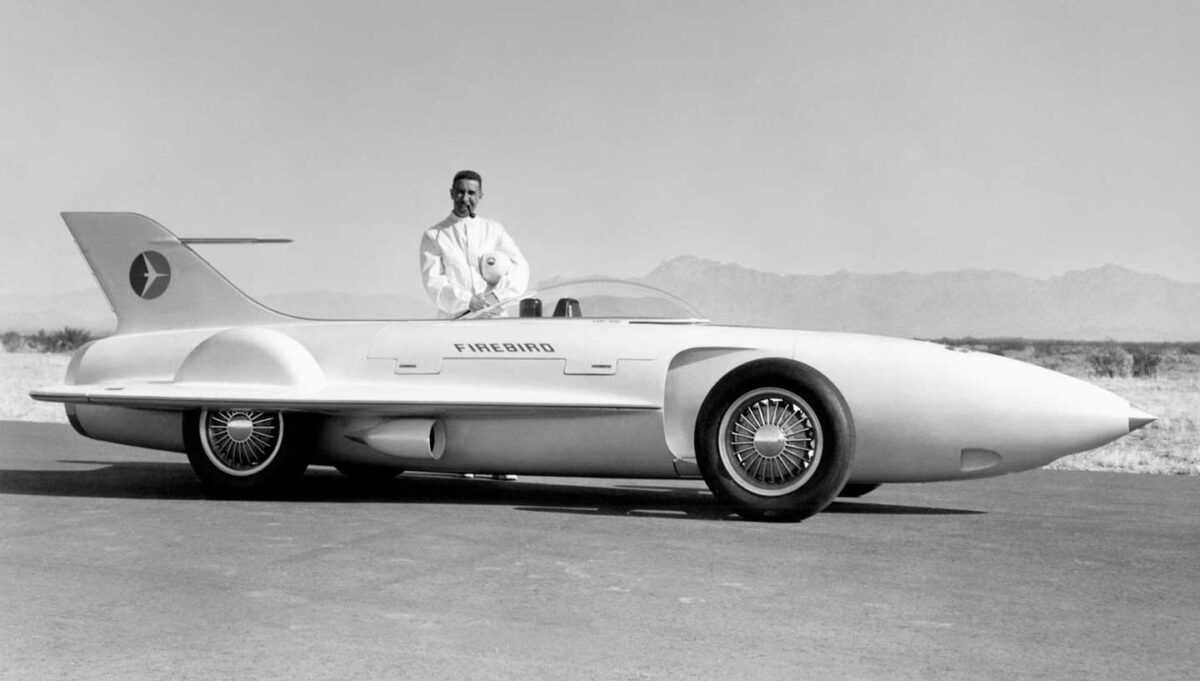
[(1139, 419)]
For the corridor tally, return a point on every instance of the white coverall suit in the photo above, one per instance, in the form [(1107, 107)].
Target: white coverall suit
[(450, 252)]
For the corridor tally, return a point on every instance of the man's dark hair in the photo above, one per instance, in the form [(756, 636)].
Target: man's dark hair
[(467, 175)]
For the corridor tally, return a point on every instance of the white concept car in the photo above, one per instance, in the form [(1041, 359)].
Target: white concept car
[(616, 380)]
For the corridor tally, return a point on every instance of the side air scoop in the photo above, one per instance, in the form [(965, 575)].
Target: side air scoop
[(1139, 419)]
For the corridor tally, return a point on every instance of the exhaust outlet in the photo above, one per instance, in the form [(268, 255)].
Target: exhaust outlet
[(405, 438)]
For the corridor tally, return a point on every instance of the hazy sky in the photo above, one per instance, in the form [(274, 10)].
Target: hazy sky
[(792, 137)]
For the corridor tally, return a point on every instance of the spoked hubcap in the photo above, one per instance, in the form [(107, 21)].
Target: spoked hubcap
[(240, 441), (771, 441)]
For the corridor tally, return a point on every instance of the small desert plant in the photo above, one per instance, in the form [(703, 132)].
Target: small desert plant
[(13, 341), (1144, 361), (996, 346), (1003, 346), (955, 342), (1048, 348), (1111, 360), (73, 338), (66, 340)]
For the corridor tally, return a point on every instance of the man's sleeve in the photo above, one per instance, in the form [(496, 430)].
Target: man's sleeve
[(514, 283), (438, 286)]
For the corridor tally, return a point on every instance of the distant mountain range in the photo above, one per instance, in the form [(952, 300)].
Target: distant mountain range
[(1096, 304)]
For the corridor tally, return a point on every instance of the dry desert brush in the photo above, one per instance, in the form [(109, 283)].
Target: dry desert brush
[(66, 340)]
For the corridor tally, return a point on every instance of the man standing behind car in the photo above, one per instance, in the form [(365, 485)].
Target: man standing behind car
[(451, 252)]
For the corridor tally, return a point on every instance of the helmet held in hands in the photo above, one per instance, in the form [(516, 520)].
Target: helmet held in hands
[(493, 266)]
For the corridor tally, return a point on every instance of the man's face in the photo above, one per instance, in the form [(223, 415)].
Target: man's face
[(466, 195)]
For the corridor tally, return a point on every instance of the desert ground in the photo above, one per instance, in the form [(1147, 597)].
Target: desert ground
[(1169, 446), (21, 372), (1044, 575)]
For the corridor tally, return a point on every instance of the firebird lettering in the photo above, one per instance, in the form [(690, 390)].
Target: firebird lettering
[(504, 347)]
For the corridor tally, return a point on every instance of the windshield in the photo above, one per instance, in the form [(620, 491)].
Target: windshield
[(596, 298)]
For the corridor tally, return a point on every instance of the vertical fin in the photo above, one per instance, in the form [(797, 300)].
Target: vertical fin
[(155, 282)]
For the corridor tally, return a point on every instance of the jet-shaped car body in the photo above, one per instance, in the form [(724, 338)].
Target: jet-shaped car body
[(619, 381)]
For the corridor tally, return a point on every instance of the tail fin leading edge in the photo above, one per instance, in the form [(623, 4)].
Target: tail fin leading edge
[(153, 281)]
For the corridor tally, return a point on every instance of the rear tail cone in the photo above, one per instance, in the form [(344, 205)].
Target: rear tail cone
[(1139, 419)]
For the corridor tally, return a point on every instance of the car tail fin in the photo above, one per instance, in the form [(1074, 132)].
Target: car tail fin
[(154, 281)]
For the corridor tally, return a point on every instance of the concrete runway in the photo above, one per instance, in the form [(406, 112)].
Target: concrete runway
[(113, 566)]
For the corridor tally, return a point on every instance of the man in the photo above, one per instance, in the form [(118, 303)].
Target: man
[(451, 251), (450, 259)]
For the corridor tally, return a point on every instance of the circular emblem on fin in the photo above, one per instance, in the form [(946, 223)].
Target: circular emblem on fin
[(149, 274)]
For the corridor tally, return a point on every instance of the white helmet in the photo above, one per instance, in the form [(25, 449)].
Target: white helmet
[(493, 266)]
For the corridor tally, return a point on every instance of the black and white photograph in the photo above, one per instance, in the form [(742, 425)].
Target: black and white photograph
[(614, 340)]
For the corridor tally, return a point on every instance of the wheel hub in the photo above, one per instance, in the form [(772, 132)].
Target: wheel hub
[(240, 442), (769, 441), (240, 428)]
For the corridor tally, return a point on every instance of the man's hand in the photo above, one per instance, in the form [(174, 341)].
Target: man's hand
[(481, 300)]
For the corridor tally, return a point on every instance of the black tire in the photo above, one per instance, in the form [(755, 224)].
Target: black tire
[(244, 453), (855, 490), (365, 472), (775, 440)]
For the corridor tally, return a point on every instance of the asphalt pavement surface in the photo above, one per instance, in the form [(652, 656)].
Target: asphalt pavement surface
[(114, 566)]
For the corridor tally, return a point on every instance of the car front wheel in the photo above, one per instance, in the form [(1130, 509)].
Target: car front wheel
[(243, 452), (774, 447)]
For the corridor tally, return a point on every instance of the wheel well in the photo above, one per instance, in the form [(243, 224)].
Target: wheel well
[(287, 461), (753, 494), (783, 373)]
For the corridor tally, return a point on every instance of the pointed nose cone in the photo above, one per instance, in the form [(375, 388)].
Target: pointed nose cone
[(1139, 418)]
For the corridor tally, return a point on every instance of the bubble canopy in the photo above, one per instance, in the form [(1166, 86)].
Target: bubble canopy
[(600, 298)]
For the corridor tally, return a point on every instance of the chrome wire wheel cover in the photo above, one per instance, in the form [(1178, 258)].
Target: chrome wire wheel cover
[(240, 442), (770, 442)]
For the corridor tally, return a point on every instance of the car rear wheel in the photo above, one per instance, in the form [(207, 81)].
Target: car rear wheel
[(243, 452), (774, 445)]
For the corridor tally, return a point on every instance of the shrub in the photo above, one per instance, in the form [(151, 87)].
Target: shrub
[(13, 342), (996, 346), (71, 338), (1144, 361), (1111, 360), (956, 342), (1048, 348), (1190, 349), (66, 340), (1002, 346)]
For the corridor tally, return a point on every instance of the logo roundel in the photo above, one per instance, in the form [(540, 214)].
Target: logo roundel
[(149, 274)]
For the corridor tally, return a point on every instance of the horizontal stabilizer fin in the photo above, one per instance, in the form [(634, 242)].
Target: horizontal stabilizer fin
[(238, 241), (154, 281)]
